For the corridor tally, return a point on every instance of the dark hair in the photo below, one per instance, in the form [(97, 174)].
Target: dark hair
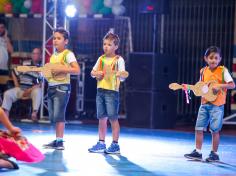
[(62, 31), (112, 36), (212, 49), (2, 21)]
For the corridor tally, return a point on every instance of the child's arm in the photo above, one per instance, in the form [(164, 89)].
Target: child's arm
[(6, 122), (72, 69), (97, 74), (121, 68), (229, 82)]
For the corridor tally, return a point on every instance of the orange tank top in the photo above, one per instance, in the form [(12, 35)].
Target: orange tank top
[(218, 76)]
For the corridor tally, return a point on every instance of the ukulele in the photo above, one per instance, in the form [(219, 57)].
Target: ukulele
[(46, 70), (203, 89), (108, 72)]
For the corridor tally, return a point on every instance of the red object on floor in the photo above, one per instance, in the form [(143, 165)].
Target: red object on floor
[(19, 148)]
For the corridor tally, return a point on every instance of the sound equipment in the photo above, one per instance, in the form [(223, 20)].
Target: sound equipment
[(140, 71), (139, 109)]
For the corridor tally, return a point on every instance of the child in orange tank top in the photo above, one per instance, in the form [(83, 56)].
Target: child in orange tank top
[(211, 113)]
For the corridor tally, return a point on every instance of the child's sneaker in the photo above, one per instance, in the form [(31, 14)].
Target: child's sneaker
[(98, 148), (58, 145), (113, 149), (212, 157), (194, 155)]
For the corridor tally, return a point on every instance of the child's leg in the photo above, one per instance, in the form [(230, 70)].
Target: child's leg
[(60, 128), (115, 129), (102, 128), (198, 139), (215, 141), (216, 123)]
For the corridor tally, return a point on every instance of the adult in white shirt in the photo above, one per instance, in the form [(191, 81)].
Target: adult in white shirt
[(5, 46)]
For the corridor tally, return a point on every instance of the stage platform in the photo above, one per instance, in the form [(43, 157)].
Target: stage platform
[(144, 152)]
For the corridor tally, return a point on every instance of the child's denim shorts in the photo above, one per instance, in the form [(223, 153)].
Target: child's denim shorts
[(210, 114), (107, 102), (58, 97)]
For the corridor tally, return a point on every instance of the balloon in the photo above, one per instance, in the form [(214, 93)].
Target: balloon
[(17, 4), (24, 10), (27, 4), (2, 5), (117, 2), (108, 3), (118, 10), (37, 6), (97, 5), (105, 11), (8, 8)]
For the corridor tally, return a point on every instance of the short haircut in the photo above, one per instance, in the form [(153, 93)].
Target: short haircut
[(2, 21), (62, 31), (212, 49), (112, 36)]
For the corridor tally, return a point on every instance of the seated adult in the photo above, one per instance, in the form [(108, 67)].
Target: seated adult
[(27, 85), (5, 162)]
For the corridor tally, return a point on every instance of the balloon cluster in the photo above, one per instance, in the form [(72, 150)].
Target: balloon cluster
[(21, 6), (105, 7)]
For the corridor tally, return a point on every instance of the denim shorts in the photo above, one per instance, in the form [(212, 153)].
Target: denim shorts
[(211, 115), (58, 97), (107, 102)]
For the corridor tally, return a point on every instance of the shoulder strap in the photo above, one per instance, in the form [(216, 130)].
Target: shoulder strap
[(202, 73), (101, 62), (65, 54), (223, 76)]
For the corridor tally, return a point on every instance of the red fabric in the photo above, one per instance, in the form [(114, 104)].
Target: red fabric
[(20, 148)]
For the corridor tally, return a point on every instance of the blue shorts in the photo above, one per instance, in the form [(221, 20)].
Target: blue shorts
[(58, 97), (107, 102), (210, 114)]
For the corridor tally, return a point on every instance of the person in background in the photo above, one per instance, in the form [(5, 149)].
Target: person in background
[(6, 163), (27, 85), (6, 47)]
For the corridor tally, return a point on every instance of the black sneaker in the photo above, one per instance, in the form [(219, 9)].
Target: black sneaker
[(194, 155), (58, 145), (212, 157)]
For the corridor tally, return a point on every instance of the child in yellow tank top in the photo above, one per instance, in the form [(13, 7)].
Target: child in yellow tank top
[(107, 70), (59, 90)]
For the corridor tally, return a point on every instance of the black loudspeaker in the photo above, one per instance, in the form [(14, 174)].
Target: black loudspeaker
[(154, 6), (139, 109), (140, 71)]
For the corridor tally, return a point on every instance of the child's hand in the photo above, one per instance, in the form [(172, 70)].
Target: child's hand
[(118, 74), (15, 131), (216, 88), (99, 75)]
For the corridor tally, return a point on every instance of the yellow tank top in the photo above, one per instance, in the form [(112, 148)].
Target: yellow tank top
[(109, 67), (60, 58), (218, 76)]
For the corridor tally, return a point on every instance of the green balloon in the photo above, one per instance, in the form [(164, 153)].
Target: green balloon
[(24, 10), (97, 5), (105, 11), (17, 4)]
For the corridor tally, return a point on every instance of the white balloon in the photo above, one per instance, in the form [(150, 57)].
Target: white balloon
[(118, 10), (108, 3), (117, 2), (27, 4)]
